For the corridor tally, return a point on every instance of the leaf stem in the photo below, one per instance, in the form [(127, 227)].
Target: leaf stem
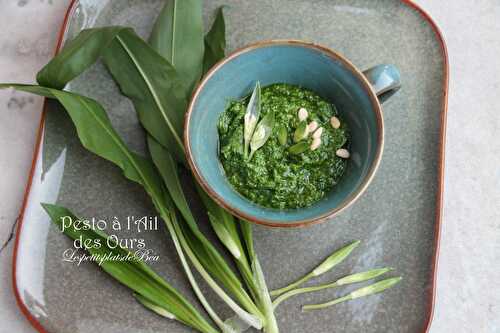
[(174, 235), (293, 285), (299, 291), (374, 288), (251, 319), (349, 279)]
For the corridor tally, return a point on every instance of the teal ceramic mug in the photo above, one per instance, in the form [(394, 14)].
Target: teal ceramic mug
[(355, 93)]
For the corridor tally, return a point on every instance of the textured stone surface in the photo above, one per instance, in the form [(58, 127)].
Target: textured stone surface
[(470, 250)]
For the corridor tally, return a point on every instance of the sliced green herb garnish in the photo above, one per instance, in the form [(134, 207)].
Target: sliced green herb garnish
[(262, 132), (251, 117), (299, 148), (282, 135), (301, 132)]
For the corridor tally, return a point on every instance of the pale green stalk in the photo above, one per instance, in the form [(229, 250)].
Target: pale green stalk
[(375, 288), (244, 315), (271, 326), (349, 279), (262, 292), (330, 262), (170, 223)]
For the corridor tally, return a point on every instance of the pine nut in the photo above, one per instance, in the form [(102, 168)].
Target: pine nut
[(315, 144), (342, 153), (317, 133), (312, 126), (302, 114), (335, 122)]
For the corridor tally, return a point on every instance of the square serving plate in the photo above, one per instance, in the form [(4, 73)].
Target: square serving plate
[(397, 219)]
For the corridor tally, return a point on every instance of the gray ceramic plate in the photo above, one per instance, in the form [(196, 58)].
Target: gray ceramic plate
[(397, 219)]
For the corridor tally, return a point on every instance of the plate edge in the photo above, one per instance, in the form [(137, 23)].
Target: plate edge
[(439, 200)]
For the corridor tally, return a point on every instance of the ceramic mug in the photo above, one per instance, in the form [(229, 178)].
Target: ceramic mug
[(355, 94)]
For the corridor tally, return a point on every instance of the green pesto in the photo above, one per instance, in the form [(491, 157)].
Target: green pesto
[(274, 177)]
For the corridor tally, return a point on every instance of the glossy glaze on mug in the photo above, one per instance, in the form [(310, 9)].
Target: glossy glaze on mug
[(397, 219)]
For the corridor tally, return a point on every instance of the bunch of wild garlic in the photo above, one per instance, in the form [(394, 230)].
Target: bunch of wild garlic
[(158, 76)]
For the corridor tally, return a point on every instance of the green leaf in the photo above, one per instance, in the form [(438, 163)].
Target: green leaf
[(204, 250), (282, 135), (262, 132), (178, 36), (299, 148), (151, 305), (131, 272), (215, 41), (225, 236), (301, 132), (158, 94), (98, 135), (76, 56), (251, 117), (372, 289)]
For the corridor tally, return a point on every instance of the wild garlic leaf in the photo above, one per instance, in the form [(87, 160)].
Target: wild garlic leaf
[(76, 56), (178, 36), (299, 148), (251, 117), (133, 273), (151, 305), (301, 132), (215, 41), (98, 135), (262, 132), (207, 255), (282, 135), (154, 86)]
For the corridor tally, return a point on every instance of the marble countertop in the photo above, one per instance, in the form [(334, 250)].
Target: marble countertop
[(468, 299)]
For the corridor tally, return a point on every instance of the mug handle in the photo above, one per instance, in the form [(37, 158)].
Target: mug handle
[(385, 80)]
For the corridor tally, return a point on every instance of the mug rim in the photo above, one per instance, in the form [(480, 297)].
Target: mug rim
[(303, 222)]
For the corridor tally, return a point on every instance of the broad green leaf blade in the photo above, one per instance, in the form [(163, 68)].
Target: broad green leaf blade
[(282, 135), (251, 117), (215, 41), (178, 36), (131, 272), (262, 132), (151, 305), (299, 148), (301, 132), (154, 87), (206, 253), (97, 134), (76, 56)]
